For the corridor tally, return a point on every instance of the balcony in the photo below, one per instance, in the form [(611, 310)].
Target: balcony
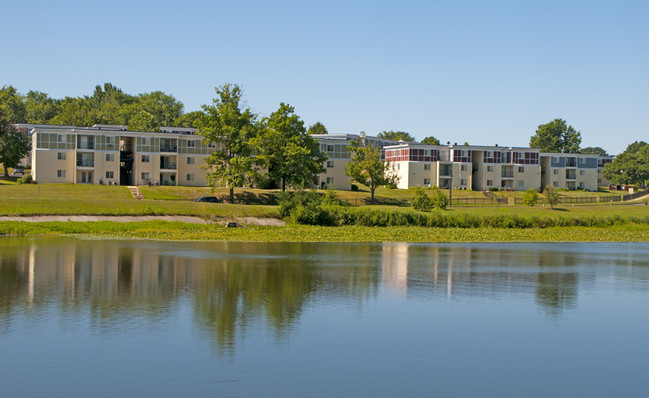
[(169, 148), (571, 162), (445, 171), (168, 166), (86, 163), (507, 174), (571, 176)]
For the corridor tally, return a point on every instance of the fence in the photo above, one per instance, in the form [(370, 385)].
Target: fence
[(589, 199)]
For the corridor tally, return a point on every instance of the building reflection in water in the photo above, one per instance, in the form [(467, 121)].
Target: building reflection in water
[(235, 286)]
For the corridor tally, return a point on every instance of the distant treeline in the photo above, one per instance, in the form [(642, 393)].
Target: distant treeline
[(107, 105)]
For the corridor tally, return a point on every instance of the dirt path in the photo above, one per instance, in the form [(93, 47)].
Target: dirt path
[(185, 219)]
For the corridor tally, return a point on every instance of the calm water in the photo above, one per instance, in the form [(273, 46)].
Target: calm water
[(86, 318)]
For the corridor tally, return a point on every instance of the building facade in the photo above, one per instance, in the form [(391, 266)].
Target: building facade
[(111, 155)]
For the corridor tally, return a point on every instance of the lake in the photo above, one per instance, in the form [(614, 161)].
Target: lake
[(124, 318)]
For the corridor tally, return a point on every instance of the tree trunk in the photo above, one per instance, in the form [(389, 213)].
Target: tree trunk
[(231, 194), (372, 189), (6, 170), (283, 184)]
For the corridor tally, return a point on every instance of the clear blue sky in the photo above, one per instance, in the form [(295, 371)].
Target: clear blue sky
[(476, 71)]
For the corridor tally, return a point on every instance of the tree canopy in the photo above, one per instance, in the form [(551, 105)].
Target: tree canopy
[(108, 104), (366, 166), (317, 128), (430, 141), (14, 146), (556, 136), (629, 167), (229, 128), (396, 136), (286, 151), (594, 150)]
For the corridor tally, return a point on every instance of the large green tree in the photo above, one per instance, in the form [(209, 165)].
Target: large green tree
[(430, 141), (317, 128), (396, 136), (14, 146), (594, 150), (286, 151), (366, 166), (12, 107), (556, 136), (40, 108), (230, 128), (629, 167)]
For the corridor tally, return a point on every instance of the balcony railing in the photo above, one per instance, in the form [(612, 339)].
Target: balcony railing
[(571, 162), (571, 176), (168, 166), (86, 145), (169, 148), (507, 174), (86, 163)]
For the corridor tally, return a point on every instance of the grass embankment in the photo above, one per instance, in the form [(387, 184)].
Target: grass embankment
[(301, 233), (68, 199)]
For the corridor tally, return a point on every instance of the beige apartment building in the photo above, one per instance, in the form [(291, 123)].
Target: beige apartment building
[(108, 154)]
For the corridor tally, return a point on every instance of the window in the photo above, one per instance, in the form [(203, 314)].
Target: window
[(581, 185), (426, 181), (110, 157), (330, 148), (330, 181), (145, 158), (490, 183), (60, 173), (582, 160), (555, 172), (427, 166), (110, 174), (555, 159), (190, 160), (330, 164), (145, 176), (463, 181), (490, 168), (521, 169), (190, 177), (521, 183), (582, 172), (465, 167), (61, 156), (555, 183), (191, 144), (61, 138), (143, 141)]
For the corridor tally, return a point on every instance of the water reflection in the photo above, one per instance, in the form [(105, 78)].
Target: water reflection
[(232, 287)]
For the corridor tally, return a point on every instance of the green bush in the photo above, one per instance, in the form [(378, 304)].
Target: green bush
[(494, 189), (26, 179), (422, 201), (530, 197), (354, 187), (441, 201)]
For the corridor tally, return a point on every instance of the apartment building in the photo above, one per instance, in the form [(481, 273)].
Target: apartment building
[(109, 154), (464, 167), (335, 147), (485, 167), (574, 170)]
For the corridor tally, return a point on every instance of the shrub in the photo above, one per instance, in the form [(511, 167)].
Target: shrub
[(441, 201), (494, 189), (26, 179), (530, 197), (422, 201), (552, 196), (391, 186), (354, 187)]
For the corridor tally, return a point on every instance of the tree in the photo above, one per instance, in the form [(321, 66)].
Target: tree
[(430, 141), (396, 136), (286, 151), (40, 108), (422, 201), (594, 150), (530, 197), (441, 201), (230, 128), (552, 196), (12, 107), (556, 136), (366, 166), (630, 167), (14, 146), (317, 128), (187, 119)]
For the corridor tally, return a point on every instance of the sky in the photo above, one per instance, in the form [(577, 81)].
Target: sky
[(463, 71)]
